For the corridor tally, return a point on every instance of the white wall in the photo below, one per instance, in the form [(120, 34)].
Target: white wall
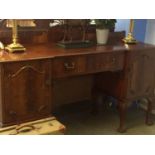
[(150, 31)]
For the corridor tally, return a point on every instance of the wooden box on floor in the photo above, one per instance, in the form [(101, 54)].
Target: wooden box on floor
[(47, 126)]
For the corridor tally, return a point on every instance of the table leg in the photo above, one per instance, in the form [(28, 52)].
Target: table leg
[(148, 119), (122, 115)]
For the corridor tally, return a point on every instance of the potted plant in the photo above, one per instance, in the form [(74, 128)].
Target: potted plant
[(103, 26)]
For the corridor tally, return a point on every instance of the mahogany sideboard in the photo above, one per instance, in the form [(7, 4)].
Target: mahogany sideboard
[(123, 71)]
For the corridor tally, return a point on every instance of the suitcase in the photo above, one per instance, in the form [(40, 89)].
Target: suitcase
[(47, 126)]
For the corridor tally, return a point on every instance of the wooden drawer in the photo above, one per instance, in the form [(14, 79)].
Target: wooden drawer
[(76, 65), (105, 62), (68, 66)]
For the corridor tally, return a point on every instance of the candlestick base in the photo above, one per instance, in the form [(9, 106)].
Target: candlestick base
[(129, 39), (15, 47)]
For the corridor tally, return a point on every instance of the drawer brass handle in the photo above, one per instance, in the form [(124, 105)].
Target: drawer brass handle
[(69, 66)]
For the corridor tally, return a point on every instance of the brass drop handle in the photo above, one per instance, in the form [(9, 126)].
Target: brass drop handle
[(69, 66)]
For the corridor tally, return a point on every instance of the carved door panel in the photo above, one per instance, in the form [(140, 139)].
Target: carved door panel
[(27, 91), (140, 74)]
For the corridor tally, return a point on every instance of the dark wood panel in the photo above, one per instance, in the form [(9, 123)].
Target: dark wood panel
[(140, 73), (27, 91)]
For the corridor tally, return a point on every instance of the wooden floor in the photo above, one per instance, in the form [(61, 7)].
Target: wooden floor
[(79, 121)]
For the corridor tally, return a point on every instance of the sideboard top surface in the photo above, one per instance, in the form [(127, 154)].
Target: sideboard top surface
[(45, 51)]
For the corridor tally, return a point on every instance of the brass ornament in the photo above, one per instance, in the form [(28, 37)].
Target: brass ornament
[(15, 46), (129, 39)]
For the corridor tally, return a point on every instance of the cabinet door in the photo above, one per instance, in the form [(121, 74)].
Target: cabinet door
[(27, 91), (140, 74)]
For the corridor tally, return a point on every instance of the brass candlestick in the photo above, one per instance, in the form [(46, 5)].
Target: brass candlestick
[(129, 39), (15, 46)]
